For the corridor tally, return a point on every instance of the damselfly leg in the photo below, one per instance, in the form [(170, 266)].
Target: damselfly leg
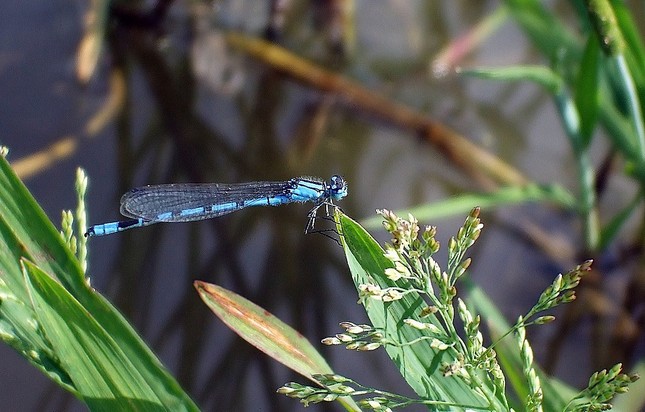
[(327, 216)]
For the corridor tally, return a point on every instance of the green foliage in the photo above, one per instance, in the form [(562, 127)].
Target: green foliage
[(50, 314), (418, 319), (463, 203), (388, 303), (608, 89)]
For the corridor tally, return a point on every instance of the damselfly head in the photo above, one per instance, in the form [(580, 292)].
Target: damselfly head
[(337, 187)]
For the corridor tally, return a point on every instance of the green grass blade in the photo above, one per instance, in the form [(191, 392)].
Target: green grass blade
[(462, 204), (635, 49), (586, 90), (17, 329), (556, 393), (103, 376), (611, 229), (419, 364), (548, 33), (266, 332), (26, 233), (541, 75)]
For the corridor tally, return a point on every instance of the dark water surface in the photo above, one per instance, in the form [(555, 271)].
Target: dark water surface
[(196, 111)]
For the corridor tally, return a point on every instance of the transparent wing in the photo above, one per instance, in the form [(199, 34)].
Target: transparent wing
[(165, 203)]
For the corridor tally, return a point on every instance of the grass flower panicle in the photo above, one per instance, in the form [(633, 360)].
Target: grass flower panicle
[(602, 388), (356, 337), (427, 318), (77, 244), (535, 396)]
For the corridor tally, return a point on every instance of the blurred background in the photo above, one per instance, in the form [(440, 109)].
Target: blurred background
[(158, 92)]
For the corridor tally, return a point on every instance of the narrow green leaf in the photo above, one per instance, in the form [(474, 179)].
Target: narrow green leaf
[(419, 364), (543, 76), (266, 332), (18, 328), (101, 373), (634, 39), (549, 34), (462, 204), (610, 230), (26, 233), (586, 90)]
